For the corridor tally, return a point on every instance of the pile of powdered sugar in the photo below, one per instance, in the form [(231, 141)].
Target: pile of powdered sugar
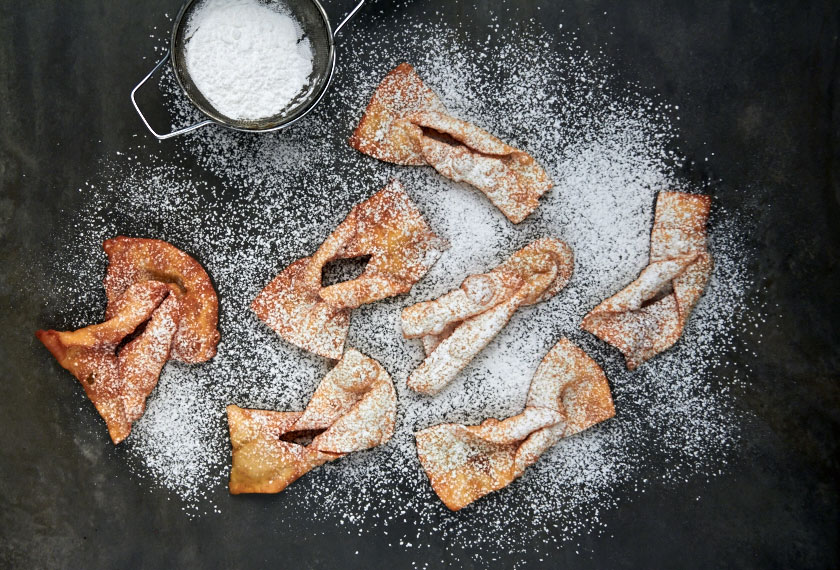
[(275, 198), (249, 59)]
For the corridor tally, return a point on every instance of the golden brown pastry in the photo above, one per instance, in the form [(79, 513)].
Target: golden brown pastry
[(458, 325), (390, 229), (118, 383), (152, 287), (353, 408), (568, 394), (648, 316), (131, 260), (406, 123)]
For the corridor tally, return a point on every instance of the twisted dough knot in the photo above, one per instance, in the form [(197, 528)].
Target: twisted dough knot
[(353, 408), (407, 123), (152, 282), (649, 315), (458, 325), (568, 394), (390, 229)]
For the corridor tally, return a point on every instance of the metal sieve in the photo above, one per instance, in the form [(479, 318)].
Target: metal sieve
[(315, 24)]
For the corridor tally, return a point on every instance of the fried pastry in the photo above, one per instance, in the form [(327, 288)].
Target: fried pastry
[(353, 408), (458, 325), (407, 123), (648, 316), (118, 383), (390, 229), (159, 299), (131, 260), (568, 394)]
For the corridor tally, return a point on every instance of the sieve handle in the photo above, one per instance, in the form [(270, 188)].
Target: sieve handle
[(145, 122), (346, 19)]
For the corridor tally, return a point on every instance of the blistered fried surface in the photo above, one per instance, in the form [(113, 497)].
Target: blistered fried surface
[(390, 229), (161, 304), (458, 325), (406, 123), (118, 382), (649, 315), (133, 260), (353, 409), (568, 394)]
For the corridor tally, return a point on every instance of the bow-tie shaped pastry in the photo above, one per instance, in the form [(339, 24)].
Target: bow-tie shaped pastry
[(568, 394), (354, 408), (163, 297), (390, 229), (406, 123), (458, 325), (648, 316)]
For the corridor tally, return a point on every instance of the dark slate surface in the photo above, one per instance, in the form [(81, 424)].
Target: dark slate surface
[(757, 84)]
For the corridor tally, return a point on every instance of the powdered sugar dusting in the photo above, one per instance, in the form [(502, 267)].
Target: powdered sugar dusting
[(275, 198), (250, 59)]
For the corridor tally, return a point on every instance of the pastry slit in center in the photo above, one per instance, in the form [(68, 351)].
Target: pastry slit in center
[(661, 294), (301, 437), (342, 270)]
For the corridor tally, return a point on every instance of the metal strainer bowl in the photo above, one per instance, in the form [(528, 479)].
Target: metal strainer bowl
[(315, 24)]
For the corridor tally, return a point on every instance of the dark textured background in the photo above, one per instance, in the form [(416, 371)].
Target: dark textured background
[(757, 84)]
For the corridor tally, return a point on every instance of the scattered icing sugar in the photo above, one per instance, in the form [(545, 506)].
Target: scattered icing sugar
[(274, 198), (249, 59)]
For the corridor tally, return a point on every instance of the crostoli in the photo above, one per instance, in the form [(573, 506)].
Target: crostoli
[(159, 300), (649, 315), (457, 326), (407, 123), (568, 394), (390, 229), (352, 409)]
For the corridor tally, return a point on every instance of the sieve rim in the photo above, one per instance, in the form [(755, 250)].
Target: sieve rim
[(260, 125)]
